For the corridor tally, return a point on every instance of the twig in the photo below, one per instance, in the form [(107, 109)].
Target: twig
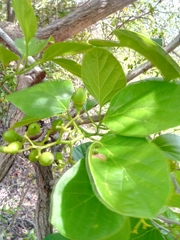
[(168, 221)]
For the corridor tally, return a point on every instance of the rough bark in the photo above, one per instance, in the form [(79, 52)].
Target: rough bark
[(81, 18), (44, 178)]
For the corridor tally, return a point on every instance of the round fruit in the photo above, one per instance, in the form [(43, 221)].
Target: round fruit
[(46, 159), (14, 147), (11, 136), (79, 97), (56, 124), (33, 156), (4, 149), (33, 129), (59, 156)]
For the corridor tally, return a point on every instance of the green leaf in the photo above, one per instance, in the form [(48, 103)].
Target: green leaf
[(77, 213), (25, 121), (175, 200), (89, 104), (43, 100), (21, 46), (144, 108), (64, 48), (170, 145), (159, 41), (104, 43), (102, 74), (145, 233), (7, 56), (34, 46), (128, 174), (26, 18), (151, 50), (123, 233), (79, 152), (70, 65), (55, 236)]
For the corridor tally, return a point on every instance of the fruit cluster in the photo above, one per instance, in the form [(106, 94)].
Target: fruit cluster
[(38, 150)]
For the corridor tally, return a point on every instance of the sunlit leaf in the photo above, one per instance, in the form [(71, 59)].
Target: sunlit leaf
[(70, 65), (26, 17), (102, 74), (64, 48), (44, 99), (7, 56), (144, 108), (74, 204), (128, 174), (104, 43), (151, 50)]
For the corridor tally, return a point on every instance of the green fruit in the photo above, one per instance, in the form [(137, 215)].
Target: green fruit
[(34, 155), (56, 124), (14, 147), (11, 136), (59, 156), (4, 149), (79, 97), (33, 129), (46, 159)]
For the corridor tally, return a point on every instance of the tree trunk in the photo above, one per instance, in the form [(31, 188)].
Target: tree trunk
[(44, 178)]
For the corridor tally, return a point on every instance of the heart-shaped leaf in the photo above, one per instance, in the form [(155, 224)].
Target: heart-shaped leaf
[(102, 74), (128, 174), (44, 99), (144, 108), (77, 213)]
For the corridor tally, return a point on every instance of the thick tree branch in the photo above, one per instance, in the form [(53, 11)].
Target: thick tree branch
[(147, 65), (81, 18)]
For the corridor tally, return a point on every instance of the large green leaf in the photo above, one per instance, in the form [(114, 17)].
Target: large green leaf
[(143, 108), (175, 200), (145, 233), (26, 18), (151, 50), (170, 145), (123, 233), (64, 48), (70, 65), (44, 99), (102, 74), (128, 174), (77, 213), (7, 56)]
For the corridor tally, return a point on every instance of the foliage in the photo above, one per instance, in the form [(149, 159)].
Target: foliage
[(122, 175)]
